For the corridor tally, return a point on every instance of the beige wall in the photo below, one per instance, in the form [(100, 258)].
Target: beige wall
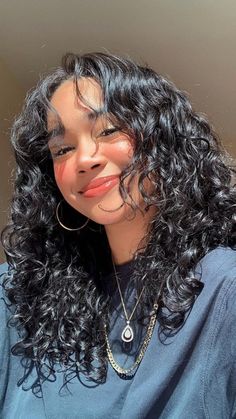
[(11, 99)]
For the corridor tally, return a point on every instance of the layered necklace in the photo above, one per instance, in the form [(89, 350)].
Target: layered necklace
[(127, 334)]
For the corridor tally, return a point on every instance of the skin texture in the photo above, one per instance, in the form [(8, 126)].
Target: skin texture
[(93, 154)]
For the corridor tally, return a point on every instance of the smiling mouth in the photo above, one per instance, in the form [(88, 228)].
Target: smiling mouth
[(101, 189), (98, 181)]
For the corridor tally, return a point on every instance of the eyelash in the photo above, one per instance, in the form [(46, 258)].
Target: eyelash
[(109, 131), (61, 152), (104, 133)]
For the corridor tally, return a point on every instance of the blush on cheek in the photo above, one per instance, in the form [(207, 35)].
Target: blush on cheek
[(59, 169), (122, 149)]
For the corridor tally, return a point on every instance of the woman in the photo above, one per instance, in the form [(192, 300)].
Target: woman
[(119, 288)]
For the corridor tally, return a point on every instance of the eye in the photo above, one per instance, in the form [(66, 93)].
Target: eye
[(61, 151), (109, 131)]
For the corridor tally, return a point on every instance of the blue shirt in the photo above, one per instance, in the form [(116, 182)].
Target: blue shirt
[(190, 376)]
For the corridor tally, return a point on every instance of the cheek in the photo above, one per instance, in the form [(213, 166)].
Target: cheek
[(121, 152), (63, 174)]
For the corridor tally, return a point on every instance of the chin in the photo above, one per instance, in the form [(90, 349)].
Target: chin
[(108, 219)]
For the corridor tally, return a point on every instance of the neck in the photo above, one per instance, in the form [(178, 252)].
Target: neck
[(126, 237)]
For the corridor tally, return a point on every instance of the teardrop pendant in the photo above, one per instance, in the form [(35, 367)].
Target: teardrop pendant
[(127, 334)]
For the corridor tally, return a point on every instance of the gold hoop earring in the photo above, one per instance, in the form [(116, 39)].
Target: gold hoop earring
[(67, 228)]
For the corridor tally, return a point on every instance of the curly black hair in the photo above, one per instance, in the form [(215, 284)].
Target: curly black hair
[(54, 280)]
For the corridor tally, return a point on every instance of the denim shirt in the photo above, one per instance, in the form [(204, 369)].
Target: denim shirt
[(192, 375)]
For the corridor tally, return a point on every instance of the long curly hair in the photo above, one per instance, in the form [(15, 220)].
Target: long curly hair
[(54, 282)]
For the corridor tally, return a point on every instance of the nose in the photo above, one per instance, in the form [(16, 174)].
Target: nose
[(88, 156)]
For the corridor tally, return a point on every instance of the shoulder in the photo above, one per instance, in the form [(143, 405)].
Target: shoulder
[(216, 302), (6, 334), (3, 268), (3, 271), (3, 306), (219, 257), (3, 314), (217, 266)]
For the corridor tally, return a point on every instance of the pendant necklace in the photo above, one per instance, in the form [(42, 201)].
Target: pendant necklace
[(127, 334)]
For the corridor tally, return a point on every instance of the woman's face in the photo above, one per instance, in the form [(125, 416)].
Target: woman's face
[(84, 148)]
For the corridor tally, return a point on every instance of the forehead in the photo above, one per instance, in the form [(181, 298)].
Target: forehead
[(65, 98)]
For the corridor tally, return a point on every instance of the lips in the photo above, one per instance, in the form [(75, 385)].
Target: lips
[(97, 182)]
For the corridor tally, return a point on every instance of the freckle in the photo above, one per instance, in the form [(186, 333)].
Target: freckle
[(59, 171)]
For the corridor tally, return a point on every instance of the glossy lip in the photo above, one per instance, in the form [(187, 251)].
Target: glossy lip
[(102, 189), (97, 182)]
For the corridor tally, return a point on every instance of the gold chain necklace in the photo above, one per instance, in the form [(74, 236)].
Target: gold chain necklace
[(127, 371), (127, 334)]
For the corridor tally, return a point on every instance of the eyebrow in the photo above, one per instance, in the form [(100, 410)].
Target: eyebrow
[(96, 114), (59, 130)]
